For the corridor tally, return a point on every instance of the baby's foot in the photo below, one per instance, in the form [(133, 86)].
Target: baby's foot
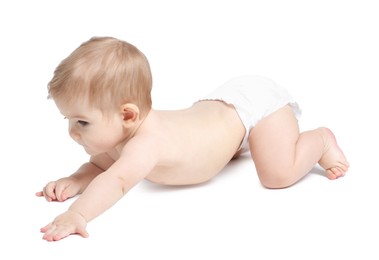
[(333, 160)]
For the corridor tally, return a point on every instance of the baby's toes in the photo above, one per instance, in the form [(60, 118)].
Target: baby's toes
[(338, 172), (344, 167), (330, 174)]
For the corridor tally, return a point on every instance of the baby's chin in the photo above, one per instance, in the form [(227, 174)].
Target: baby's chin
[(90, 151)]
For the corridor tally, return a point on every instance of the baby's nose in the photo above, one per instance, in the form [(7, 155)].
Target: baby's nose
[(74, 134)]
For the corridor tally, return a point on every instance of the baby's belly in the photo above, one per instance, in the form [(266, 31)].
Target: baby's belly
[(195, 168), (187, 175)]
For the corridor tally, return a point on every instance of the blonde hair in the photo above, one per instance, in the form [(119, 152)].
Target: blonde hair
[(107, 71)]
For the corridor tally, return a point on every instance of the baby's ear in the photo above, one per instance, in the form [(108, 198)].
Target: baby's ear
[(129, 112)]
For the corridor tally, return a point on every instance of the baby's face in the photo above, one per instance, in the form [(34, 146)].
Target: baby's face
[(90, 128)]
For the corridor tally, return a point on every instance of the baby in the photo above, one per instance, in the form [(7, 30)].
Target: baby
[(103, 90)]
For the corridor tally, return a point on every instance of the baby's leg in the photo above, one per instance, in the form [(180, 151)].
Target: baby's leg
[(283, 156)]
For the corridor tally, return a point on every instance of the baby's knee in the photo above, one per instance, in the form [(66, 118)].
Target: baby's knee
[(275, 179)]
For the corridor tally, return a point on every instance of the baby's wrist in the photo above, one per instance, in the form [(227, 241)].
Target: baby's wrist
[(77, 213)]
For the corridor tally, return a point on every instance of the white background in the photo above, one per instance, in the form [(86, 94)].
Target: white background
[(325, 52)]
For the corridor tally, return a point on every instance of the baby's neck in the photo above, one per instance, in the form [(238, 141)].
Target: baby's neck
[(130, 132)]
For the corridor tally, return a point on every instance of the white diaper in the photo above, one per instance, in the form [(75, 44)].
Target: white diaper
[(254, 98)]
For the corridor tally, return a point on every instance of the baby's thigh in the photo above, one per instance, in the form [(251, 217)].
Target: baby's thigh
[(272, 141)]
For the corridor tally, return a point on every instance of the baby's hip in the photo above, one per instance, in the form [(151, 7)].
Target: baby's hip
[(253, 98)]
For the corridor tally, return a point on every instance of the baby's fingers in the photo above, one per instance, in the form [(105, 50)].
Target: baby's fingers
[(48, 192), (65, 192), (39, 194), (54, 232), (42, 194)]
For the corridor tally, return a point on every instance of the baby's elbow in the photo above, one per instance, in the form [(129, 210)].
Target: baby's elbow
[(125, 184)]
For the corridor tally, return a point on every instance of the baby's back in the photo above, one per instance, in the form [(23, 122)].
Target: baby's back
[(198, 142)]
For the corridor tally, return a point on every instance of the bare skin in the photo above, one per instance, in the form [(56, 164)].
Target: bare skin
[(181, 147), (284, 157)]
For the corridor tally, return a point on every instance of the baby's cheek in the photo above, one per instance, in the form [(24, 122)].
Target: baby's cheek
[(102, 145)]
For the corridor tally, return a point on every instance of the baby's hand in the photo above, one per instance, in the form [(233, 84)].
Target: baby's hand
[(60, 190), (64, 225)]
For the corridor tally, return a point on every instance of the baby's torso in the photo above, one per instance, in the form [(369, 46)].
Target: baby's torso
[(198, 142)]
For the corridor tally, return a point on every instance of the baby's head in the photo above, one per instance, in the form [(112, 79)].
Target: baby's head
[(107, 73)]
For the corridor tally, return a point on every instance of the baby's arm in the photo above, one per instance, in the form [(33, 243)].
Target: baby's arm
[(68, 187), (135, 163)]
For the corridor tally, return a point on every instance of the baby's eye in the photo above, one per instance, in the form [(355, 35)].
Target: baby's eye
[(82, 123)]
